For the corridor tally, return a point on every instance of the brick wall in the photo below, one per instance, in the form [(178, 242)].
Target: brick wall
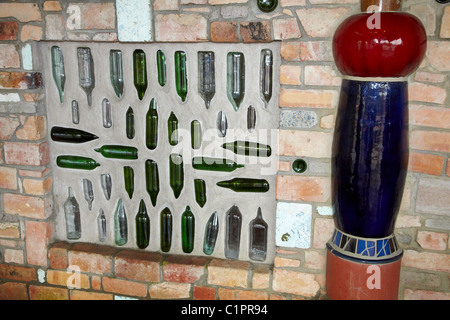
[(32, 266)]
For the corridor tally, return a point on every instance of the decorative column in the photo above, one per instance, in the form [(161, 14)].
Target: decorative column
[(375, 51)]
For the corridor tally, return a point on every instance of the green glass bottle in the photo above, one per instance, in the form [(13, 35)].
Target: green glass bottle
[(76, 162), (128, 176), (187, 230), (116, 71), (211, 232), (129, 122), (176, 172), (166, 230), (248, 148), (118, 152), (245, 185), (71, 135), (172, 126), (142, 226), (299, 165), (120, 224), (59, 74), (161, 63), (200, 191), (267, 5), (140, 72), (196, 134), (181, 74), (151, 126), (235, 78), (215, 164), (152, 180)]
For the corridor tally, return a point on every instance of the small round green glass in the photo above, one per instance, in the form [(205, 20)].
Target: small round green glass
[(299, 165), (267, 5)]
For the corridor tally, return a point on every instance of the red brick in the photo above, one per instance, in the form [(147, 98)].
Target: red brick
[(293, 282), (58, 255), (37, 187), (432, 240), (251, 295), (183, 269), (300, 188), (125, 287), (321, 22), (224, 31), (314, 144), (181, 27), (23, 12), (13, 291), (69, 278), (306, 51), (91, 258), (135, 265), (20, 80), (8, 30), (8, 178), (426, 163), (97, 15), (427, 116), (308, 98), (429, 77), (19, 273), (426, 260), (425, 295), (48, 293), (86, 295), (204, 293), (448, 168), (426, 93), (27, 154), (37, 237), (228, 273), (9, 230), (430, 140), (9, 57), (258, 31), (8, 126), (27, 206), (34, 128), (170, 290)]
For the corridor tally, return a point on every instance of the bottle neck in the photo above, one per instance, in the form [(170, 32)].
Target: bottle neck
[(380, 5)]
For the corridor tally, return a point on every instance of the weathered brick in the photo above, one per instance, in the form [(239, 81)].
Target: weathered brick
[(37, 237), (255, 31), (11, 272), (13, 291), (169, 290), (228, 273), (224, 31), (161, 5), (281, 262), (250, 295), (407, 221), (37, 187), (426, 260), (436, 50), (8, 126), (411, 294), (30, 32), (8, 30), (9, 230), (87, 295), (426, 163), (290, 74), (58, 255), (23, 12), (9, 57), (20, 80), (261, 277), (430, 140), (301, 188), (314, 260), (321, 76), (427, 116), (321, 22), (445, 24), (426, 15), (432, 196), (290, 3), (306, 51), (87, 16), (323, 230), (34, 128), (14, 256), (286, 29), (426, 93), (181, 27), (48, 293), (204, 293), (221, 2), (183, 269), (68, 279), (298, 143), (415, 279), (27, 154), (91, 258), (308, 98), (8, 178), (125, 287), (143, 266), (55, 27), (432, 240), (294, 282), (52, 6), (27, 206), (424, 76)]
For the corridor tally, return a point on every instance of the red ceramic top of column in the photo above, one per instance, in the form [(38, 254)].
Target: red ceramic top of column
[(379, 44)]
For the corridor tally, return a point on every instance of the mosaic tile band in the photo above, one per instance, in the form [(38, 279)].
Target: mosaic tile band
[(365, 248)]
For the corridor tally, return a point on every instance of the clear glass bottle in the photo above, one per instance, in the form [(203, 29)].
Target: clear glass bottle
[(59, 74), (142, 226), (151, 131), (86, 72), (176, 172), (211, 232), (222, 124), (101, 221), (140, 72), (258, 238), (88, 192), (266, 75), (166, 230), (196, 134), (72, 215), (152, 180), (106, 183), (206, 76), (106, 113), (187, 230), (116, 71), (120, 224), (233, 233), (75, 112), (235, 78), (181, 80), (251, 119)]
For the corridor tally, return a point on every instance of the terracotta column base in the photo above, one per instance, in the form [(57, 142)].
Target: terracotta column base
[(354, 279)]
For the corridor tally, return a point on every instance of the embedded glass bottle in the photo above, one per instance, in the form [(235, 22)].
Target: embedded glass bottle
[(222, 124), (200, 191), (187, 230), (116, 71), (76, 162), (101, 221), (233, 232), (71, 135), (248, 148), (140, 72), (196, 134), (166, 229), (161, 64), (86, 72), (75, 112), (206, 76), (72, 215), (215, 164), (106, 113), (176, 171), (251, 119), (172, 127), (258, 238), (120, 224), (245, 185), (118, 152), (106, 183), (211, 232), (128, 175), (129, 123), (266, 75), (59, 74), (181, 74), (235, 78), (151, 126), (88, 192), (152, 180), (142, 226)]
